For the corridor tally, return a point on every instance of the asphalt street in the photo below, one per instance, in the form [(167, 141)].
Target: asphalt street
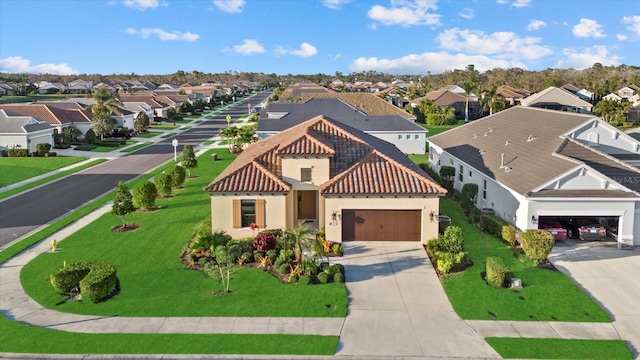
[(26, 212)]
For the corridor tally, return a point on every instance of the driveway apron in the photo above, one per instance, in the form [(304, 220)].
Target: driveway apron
[(611, 277), (397, 306)]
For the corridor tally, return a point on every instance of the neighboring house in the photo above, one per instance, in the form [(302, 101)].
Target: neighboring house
[(407, 136), (530, 163), (454, 99), (25, 132), (159, 107), (58, 115), (296, 90), (554, 98), (629, 93), (6, 89), (368, 103), (582, 94), (512, 95), (79, 86), (332, 176), (50, 88)]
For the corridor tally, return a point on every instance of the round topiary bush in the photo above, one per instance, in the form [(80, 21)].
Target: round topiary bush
[(304, 280), (323, 278), (284, 268), (338, 278)]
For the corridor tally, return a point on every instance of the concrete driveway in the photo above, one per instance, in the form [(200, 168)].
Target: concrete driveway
[(610, 276), (397, 307)]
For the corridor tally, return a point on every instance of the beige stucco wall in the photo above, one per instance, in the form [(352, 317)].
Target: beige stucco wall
[(222, 213), (332, 203), (319, 171)]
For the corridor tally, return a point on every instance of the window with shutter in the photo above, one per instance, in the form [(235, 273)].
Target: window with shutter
[(247, 212), (305, 174)]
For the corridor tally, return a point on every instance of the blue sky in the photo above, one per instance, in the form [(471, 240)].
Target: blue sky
[(314, 36)]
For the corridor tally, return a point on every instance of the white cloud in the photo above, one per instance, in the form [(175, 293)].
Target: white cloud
[(141, 4), (16, 64), (587, 57), (501, 44), (405, 13), (335, 4), (230, 6), (622, 37), (280, 50), (536, 24), (516, 3), (248, 47), (163, 35), (306, 50), (435, 62), (588, 28), (467, 13), (633, 24)]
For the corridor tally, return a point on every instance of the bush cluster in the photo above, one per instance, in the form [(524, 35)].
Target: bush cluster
[(448, 249), (536, 243), (264, 241), (43, 148), (509, 234), (496, 272), (18, 152), (493, 225), (95, 280)]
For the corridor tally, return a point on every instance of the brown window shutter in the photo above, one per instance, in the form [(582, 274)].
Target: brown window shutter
[(260, 220), (305, 174), (237, 214)]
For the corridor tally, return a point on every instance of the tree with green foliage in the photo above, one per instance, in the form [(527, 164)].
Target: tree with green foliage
[(536, 244), (106, 103), (246, 135), (171, 113), (43, 148), (448, 173), (164, 183), (90, 137), (122, 203), (189, 160), (492, 101), (612, 111), (468, 87), (178, 176), (302, 237), (141, 123), (144, 196)]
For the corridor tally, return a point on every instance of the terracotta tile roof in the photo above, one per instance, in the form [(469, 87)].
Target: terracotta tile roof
[(367, 103), (359, 163), (51, 114), (508, 92)]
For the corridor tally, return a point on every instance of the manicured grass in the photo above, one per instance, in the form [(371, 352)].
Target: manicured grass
[(223, 142), (149, 134), (50, 178), (104, 149), (136, 147), (547, 295), (167, 135), (419, 159), (154, 281), (434, 130), (208, 142), (16, 169), (163, 127), (19, 338), (524, 348), (185, 128)]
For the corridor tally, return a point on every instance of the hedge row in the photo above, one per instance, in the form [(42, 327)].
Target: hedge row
[(493, 225), (95, 280), (18, 152)]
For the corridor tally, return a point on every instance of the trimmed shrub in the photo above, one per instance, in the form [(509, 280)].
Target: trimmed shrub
[(18, 152), (163, 183), (338, 278), (145, 196), (95, 280), (43, 148), (323, 278), (452, 240), (178, 176), (90, 136), (509, 234), (537, 244), (469, 196), (244, 244), (284, 268), (447, 174), (495, 272), (448, 261), (264, 242), (304, 280), (85, 147), (493, 225)]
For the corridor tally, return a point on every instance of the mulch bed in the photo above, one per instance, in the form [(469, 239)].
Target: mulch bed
[(125, 228)]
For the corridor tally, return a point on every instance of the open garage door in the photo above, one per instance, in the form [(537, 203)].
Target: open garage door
[(587, 228), (381, 225)]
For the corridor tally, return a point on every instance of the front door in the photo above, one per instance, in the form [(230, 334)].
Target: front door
[(307, 204)]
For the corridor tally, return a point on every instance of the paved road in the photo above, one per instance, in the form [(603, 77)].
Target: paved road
[(25, 213)]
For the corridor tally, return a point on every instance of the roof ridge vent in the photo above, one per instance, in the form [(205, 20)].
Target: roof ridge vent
[(490, 129), (531, 138), (475, 136), (485, 134), (506, 143)]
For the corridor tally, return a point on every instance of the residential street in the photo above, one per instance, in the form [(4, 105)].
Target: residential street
[(26, 212)]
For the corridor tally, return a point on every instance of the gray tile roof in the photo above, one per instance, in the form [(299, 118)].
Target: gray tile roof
[(531, 163), (335, 109)]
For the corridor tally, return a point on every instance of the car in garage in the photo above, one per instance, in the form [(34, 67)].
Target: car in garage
[(584, 228), (554, 227)]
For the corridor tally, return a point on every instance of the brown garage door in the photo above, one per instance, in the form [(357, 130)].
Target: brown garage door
[(381, 225)]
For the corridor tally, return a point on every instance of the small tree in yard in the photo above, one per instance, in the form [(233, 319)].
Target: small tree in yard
[(164, 183), (189, 160), (225, 258), (178, 175), (144, 197), (469, 196), (141, 123), (537, 244), (448, 173), (122, 204)]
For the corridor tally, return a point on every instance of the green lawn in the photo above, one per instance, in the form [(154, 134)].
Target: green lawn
[(16, 169), (149, 134), (19, 338), (434, 130), (208, 142), (136, 147), (163, 127), (168, 135), (185, 127), (105, 149), (50, 178), (546, 295), (419, 159), (150, 272), (524, 348)]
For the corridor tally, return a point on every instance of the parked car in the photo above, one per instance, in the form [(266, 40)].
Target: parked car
[(584, 228), (554, 227), (611, 224)]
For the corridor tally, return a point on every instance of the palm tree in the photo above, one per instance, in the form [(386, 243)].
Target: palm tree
[(468, 87), (493, 101), (107, 102), (246, 135), (230, 133), (302, 237)]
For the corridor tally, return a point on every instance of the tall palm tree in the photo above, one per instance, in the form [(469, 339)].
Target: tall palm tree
[(106, 103), (468, 87), (230, 133), (246, 135), (491, 101)]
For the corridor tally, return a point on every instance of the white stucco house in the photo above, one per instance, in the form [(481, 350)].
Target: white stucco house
[(530, 163), (23, 132)]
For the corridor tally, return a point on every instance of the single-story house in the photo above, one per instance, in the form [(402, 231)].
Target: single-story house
[(405, 134), (449, 96), (530, 163), (57, 114), (332, 176), (25, 132), (512, 95), (554, 98)]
